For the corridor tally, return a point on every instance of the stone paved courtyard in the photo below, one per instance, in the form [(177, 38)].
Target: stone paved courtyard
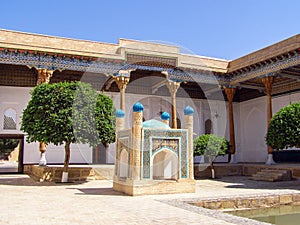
[(24, 201)]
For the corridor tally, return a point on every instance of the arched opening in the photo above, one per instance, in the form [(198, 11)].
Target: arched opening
[(123, 164), (178, 123), (208, 127), (165, 165), (10, 119)]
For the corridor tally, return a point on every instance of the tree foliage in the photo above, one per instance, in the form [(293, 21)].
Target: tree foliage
[(210, 145), (48, 116), (68, 112), (105, 119), (284, 128)]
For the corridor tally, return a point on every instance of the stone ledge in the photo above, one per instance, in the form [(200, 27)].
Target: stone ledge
[(154, 187), (240, 203), (202, 170), (76, 173)]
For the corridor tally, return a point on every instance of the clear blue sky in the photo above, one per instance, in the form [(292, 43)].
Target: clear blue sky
[(216, 28)]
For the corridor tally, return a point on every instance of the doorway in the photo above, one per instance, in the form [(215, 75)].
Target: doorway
[(165, 165), (11, 153)]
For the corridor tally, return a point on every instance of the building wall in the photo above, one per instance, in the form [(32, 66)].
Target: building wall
[(18, 97), (250, 119), (252, 126)]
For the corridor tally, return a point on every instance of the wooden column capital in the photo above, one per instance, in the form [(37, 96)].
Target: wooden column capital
[(122, 82), (230, 93), (173, 87), (44, 75), (268, 82)]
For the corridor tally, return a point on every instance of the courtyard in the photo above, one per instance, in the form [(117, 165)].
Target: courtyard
[(25, 201)]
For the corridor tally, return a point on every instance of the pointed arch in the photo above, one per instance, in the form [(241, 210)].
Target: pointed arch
[(10, 119), (123, 173), (165, 165), (208, 126)]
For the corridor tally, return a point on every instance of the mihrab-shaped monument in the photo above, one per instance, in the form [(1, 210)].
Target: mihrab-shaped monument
[(152, 158)]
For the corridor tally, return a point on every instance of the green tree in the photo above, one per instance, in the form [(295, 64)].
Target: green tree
[(212, 146), (105, 119), (68, 112), (284, 128)]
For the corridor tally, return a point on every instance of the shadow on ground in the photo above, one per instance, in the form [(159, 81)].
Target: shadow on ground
[(98, 191), (245, 182), (25, 180)]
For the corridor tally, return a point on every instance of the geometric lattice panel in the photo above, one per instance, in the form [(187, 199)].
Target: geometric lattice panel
[(14, 75)]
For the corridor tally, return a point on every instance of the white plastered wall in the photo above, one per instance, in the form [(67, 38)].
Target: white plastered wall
[(251, 126)]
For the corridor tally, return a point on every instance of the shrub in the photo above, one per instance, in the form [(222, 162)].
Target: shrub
[(210, 145), (284, 128)]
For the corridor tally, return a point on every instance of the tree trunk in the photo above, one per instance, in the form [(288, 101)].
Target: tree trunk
[(103, 155), (212, 168), (66, 163)]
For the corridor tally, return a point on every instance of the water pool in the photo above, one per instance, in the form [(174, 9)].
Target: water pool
[(279, 215)]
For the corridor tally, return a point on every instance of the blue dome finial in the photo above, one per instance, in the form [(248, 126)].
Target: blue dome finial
[(188, 110), (120, 113), (138, 107), (165, 116)]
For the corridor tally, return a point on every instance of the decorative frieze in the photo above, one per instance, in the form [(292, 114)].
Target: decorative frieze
[(112, 66), (265, 68)]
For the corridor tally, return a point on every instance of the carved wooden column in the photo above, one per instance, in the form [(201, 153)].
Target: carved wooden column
[(44, 76), (173, 87), (122, 79), (230, 94), (268, 82)]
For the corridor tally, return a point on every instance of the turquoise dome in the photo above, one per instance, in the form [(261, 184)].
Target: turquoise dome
[(188, 111), (120, 113), (155, 124), (138, 107), (165, 116)]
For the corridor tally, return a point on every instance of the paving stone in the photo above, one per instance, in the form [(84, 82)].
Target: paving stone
[(25, 201)]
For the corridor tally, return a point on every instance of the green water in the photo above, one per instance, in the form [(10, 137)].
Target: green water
[(281, 215)]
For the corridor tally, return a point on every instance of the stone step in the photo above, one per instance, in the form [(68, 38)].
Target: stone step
[(272, 175), (275, 171), (269, 174), (261, 179), (104, 172), (266, 175), (264, 178)]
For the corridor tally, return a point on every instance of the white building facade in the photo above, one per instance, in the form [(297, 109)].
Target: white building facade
[(150, 65)]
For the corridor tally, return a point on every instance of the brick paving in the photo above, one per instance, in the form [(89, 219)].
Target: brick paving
[(25, 201)]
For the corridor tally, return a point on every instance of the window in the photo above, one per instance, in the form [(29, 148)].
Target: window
[(10, 119), (208, 127)]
